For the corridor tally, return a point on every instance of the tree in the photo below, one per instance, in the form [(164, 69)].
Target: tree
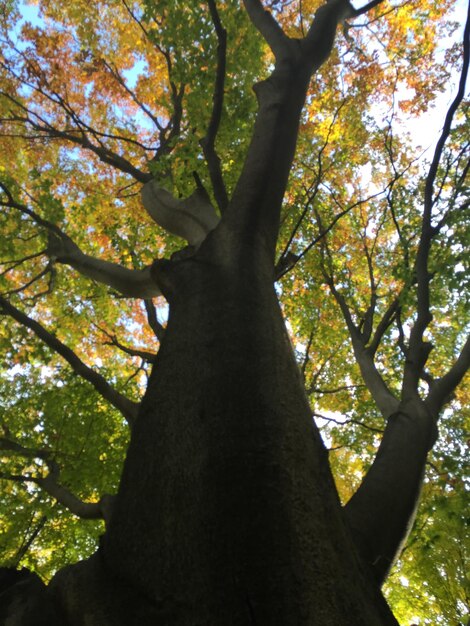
[(227, 511)]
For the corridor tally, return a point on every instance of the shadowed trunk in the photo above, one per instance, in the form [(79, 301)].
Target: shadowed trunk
[(227, 512)]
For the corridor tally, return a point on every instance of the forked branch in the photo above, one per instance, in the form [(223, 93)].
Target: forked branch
[(254, 209), (381, 512), (419, 350)]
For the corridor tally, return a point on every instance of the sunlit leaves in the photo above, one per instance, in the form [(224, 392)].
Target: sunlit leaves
[(96, 97), (49, 409)]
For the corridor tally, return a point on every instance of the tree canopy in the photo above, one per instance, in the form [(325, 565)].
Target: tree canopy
[(99, 100)]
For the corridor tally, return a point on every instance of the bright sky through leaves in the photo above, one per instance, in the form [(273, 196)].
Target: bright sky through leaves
[(83, 113)]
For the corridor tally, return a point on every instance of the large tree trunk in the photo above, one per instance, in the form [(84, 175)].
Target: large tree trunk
[(227, 512)]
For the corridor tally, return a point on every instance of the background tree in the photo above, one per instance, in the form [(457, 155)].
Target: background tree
[(119, 115)]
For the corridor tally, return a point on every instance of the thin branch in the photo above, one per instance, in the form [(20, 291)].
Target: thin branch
[(142, 354), (12, 203), (30, 282), (403, 242), (208, 142), (382, 326), (306, 357), (338, 296), (286, 264), (27, 543), (174, 124), (106, 155), (16, 262), (377, 18), (385, 400), (348, 421), (323, 392), (117, 76), (419, 350), (154, 324), (431, 177), (127, 407), (316, 185), (366, 8)]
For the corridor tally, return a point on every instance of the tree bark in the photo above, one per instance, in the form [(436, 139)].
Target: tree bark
[(382, 511), (226, 512)]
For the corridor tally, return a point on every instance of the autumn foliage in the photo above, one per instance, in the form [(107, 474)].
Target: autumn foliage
[(97, 99)]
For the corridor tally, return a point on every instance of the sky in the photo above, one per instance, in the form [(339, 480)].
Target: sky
[(424, 129)]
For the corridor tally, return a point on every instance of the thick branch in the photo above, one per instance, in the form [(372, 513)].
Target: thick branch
[(190, 218), (85, 510), (386, 402), (127, 407), (254, 209), (443, 388), (265, 23), (321, 35), (382, 511), (50, 483), (383, 397), (10, 445), (130, 283)]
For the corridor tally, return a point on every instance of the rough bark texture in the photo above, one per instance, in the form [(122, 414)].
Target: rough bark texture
[(227, 512)]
